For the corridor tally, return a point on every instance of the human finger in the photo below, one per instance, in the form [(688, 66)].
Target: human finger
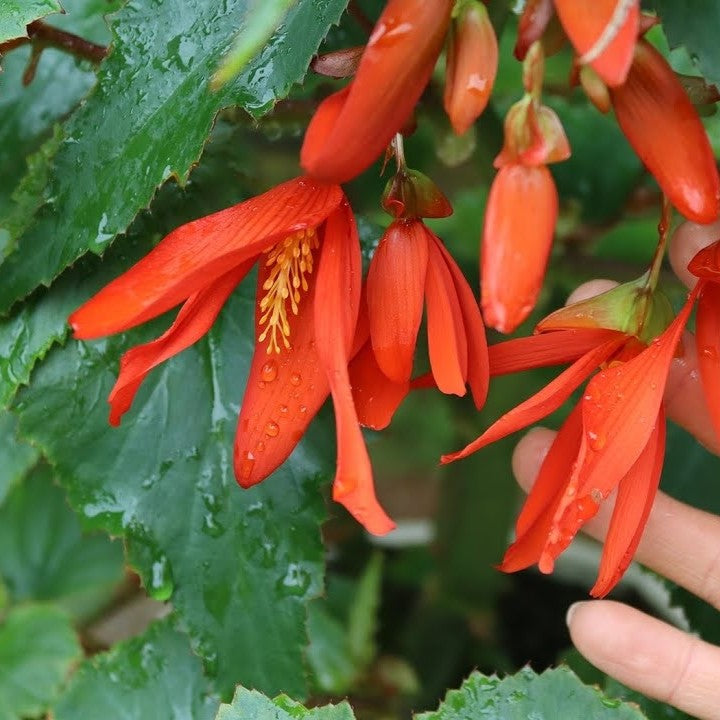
[(648, 655)]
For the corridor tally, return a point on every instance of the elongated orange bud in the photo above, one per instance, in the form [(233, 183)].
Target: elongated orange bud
[(472, 62), (519, 225), (665, 131), (533, 21)]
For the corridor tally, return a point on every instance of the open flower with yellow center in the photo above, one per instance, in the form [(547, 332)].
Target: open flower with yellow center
[(303, 236)]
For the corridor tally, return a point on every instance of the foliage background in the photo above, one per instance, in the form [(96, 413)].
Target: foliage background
[(136, 579)]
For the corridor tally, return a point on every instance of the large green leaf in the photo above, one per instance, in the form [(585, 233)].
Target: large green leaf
[(240, 565), (696, 27), (151, 677), (16, 14), (44, 554), (250, 704), (16, 457), (37, 649), (60, 81), (554, 694), (148, 119)]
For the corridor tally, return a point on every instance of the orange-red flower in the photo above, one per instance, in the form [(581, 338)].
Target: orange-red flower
[(613, 440), (353, 127), (522, 206), (472, 61), (303, 236), (657, 117), (410, 265)]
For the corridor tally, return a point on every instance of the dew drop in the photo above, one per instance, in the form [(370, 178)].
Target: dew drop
[(272, 429), (269, 371), (261, 384), (161, 581), (283, 409), (295, 379), (246, 466), (597, 442), (260, 447), (302, 409), (710, 353)]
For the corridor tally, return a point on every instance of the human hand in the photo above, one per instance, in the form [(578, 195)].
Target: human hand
[(679, 542)]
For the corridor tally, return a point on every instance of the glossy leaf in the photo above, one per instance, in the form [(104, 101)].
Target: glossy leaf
[(151, 676), (148, 119), (251, 704), (555, 694), (16, 457), (238, 564), (44, 555), (16, 14), (31, 673)]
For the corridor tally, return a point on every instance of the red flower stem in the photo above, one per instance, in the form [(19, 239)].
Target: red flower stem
[(41, 36)]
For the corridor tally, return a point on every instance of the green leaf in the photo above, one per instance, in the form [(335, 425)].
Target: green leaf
[(653, 709), (44, 554), (555, 694), (16, 14), (151, 676), (263, 20), (694, 27), (29, 112), (148, 119), (240, 565), (16, 457), (251, 704), (362, 620), (37, 649)]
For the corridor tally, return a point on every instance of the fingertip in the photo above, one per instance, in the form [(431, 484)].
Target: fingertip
[(686, 241), (590, 289), (529, 454)]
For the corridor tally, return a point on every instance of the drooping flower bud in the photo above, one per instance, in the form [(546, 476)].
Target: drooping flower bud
[(595, 89), (517, 237), (472, 61), (410, 194), (533, 21), (603, 33), (665, 131)]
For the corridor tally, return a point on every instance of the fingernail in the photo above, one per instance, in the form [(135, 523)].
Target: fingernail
[(571, 611)]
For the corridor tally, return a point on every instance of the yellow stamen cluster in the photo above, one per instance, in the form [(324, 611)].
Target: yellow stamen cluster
[(291, 261)]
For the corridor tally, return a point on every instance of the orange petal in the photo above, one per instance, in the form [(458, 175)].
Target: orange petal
[(603, 33), (532, 24), (535, 520), (517, 237), (478, 372), (472, 62), (193, 321), (554, 348), (393, 72), (395, 292), (196, 254), (283, 393), (547, 400), (706, 263), (707, 337), (634, 501), (447, 341), (652, 107), (336, 307), (376, 398)]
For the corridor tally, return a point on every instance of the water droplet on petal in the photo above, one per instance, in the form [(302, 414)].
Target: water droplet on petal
[(283, 409), (272, 429), (269, 371), (295, 379), (246, 466)]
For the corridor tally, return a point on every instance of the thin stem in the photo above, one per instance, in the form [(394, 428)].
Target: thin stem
[(663, 232), (399, 148), (42, 36)]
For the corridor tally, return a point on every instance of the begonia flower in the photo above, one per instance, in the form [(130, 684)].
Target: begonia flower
[(302, 235)]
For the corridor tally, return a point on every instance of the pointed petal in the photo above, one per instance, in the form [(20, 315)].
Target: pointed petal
[(620, 406), (478, 373), (472, 62), (603, 33), (547, 400), (706, 263), (517, 237), (447, 341), (634, 501), (553, 348), (707, 338), (195, 254), (335, 314), (376, 398), (535, 519), (651, 107), (393, 72), (193, 321), (283, 393), (395, 293)]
